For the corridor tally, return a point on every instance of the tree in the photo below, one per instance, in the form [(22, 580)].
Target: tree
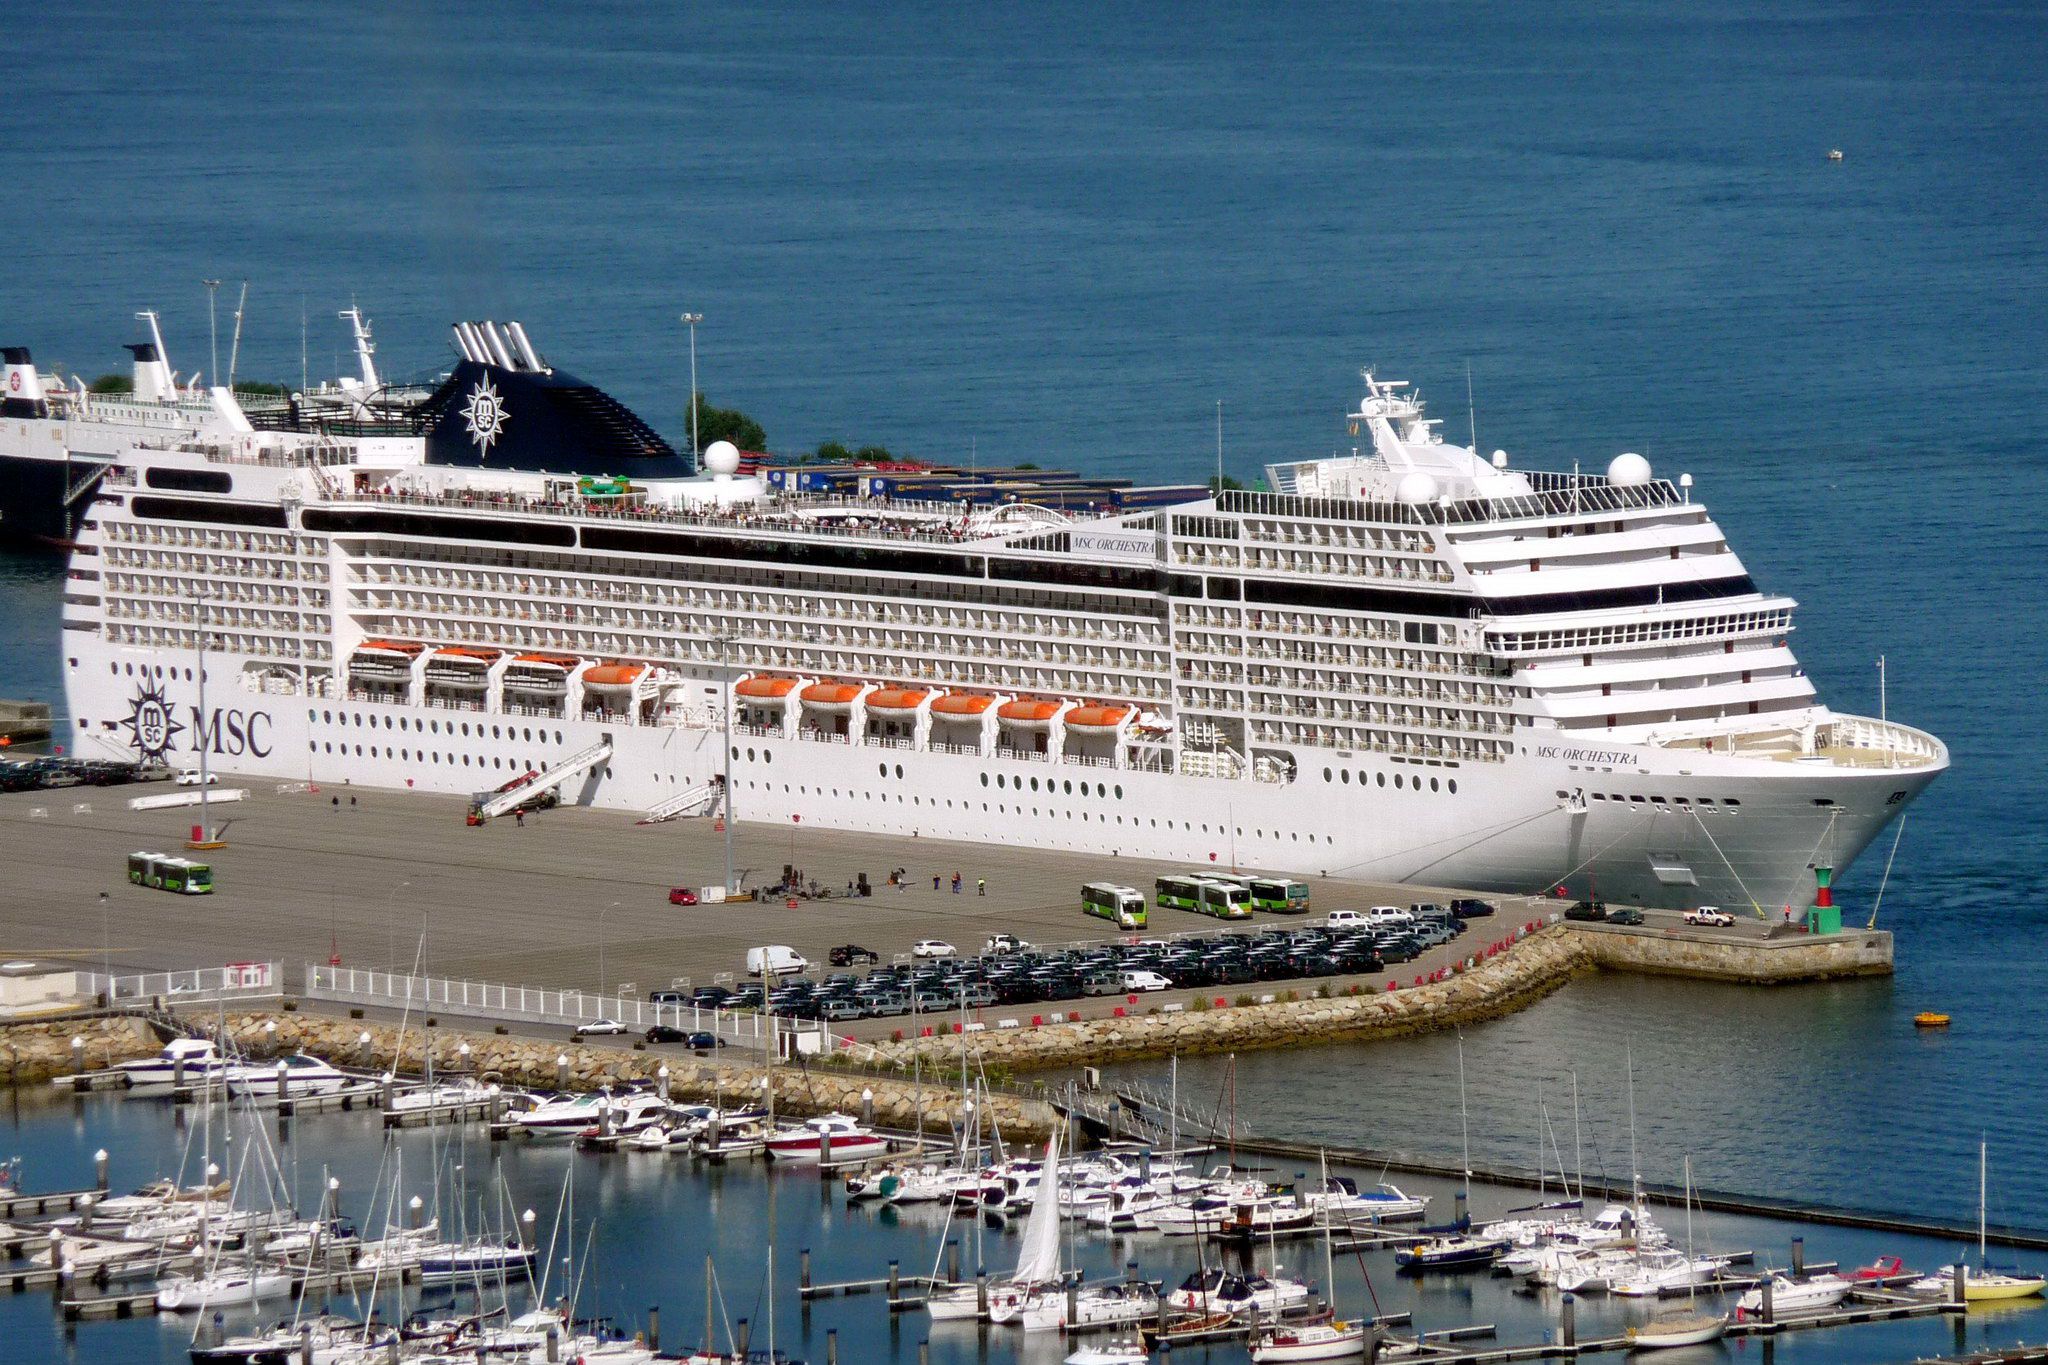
[(1229, 485), (832, 452), (112, 383), (727, 424), (872, 454)]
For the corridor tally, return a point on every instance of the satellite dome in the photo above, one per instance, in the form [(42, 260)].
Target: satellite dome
[(1628, 471), (1500, 459), (723, 457), (1416, 489)]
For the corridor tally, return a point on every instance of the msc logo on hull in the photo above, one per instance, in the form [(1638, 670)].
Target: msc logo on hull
[(154, 729)]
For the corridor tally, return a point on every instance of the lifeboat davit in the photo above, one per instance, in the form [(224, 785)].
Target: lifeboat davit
[(765, 688), (1097, 719), (963, 705), (836, 698), (613, 677), (1028, 714), (405, 647), (896, 700)]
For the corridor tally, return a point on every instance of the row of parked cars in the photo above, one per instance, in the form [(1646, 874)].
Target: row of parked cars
[(1010, 972)]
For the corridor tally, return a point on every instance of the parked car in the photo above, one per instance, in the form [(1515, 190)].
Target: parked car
[(1146, 981), (666, 1033), (1346, 919), (1004, 943), (192, 777), (1710, 914), (933, 947), (1585, 910), (667, 998), (776, 959), (703, 1042), (1102, 982), (1625, 915), (840, 1010), (596, 1027), (851, 954), (681, 895), (1471, 909)]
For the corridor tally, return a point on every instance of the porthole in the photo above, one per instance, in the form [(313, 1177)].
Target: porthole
[(1069, 786), (899, 770), (1432, 784), (1034, 787), (750, 755), (1347, 777), (1453, 785), (1119, 793), (1326, 774), (984, 779), (767, 756), (882, 769), (1381, 777)]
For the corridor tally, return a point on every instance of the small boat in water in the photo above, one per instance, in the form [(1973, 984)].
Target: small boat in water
[(223, 1288), (1981, 1283), (183, 1061), (1450, 1251), (1679, 1327), (834, 1137), (1334, 1340), (295, 1073), (1790, 1297), (1122, 1352)]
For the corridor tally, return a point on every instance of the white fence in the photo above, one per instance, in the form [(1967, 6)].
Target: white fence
[(539, 1005), (200, 985)]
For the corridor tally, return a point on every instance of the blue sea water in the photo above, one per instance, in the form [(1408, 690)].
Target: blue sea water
[(1065, 233)]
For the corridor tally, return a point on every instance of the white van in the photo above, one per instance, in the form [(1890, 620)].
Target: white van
[(776, 959), (1145, 981), (1346, 919), (1387, 916)]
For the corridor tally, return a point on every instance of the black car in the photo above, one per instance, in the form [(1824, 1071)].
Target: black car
[(666, 1033), (1586, 910), (703, 1042), (1625, 915), (1471, 909), (850, 954)]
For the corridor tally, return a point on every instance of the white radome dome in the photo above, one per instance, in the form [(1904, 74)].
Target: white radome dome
[(723, 457), (1416, 489), (1628, 470)]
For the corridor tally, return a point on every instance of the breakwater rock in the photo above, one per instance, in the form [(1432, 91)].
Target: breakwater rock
[(800, 1090), (30, 1053), (1493, 985)]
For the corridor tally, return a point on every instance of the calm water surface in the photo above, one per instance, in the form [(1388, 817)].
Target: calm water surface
[(1063, 233)]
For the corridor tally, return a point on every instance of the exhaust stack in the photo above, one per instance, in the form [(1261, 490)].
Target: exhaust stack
[(21, 388)]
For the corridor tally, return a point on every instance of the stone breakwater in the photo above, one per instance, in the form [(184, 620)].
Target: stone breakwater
[(800, 1091), (1499, 982), (30, 1053)]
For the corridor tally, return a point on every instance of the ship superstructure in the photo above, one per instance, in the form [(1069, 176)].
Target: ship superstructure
[(1412, 663)]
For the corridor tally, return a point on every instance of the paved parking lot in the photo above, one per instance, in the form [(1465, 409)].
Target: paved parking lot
[(575, 897)]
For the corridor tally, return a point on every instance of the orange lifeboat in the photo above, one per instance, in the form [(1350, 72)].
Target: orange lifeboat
[(465, 654), (1028, 714), (830, 696), (896, 700), (613, 677), (962, 705), (561, 661), (393, 646), (1097, 719), (765, 688)]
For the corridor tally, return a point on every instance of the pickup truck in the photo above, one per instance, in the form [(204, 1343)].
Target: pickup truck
[(1710, 914)]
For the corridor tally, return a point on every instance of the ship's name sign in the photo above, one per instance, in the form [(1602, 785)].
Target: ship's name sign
[(1125, 546), (1604, 756)]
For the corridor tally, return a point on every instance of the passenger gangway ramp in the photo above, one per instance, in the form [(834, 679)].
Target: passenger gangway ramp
[(574, 766), (695, 801)]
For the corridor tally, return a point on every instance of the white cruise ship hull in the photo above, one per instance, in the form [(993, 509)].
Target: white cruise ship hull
[(1504, 829)]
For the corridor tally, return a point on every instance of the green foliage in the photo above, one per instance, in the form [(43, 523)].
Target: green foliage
[(1200, 1005), (727, 424), (873, 454), (832, 452), (112, 383), (1229, 484), (260, 387), (1243, 1000), (1028, 464)]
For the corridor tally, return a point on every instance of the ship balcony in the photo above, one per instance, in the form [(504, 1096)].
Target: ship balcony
[(1840, 740)]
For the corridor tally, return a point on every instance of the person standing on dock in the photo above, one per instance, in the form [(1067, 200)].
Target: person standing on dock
[(981, 886), (956, 883), (935, 881)]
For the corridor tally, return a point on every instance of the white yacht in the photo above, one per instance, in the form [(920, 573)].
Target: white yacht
[(1411, 662)]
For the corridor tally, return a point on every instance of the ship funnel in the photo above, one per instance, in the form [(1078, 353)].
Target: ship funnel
[(525, 348), (467, 343), (21, 388), (494, 342)]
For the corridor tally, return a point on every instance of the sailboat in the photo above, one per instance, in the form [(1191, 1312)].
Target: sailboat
[(1038, 1258), (1686, 1326), (1981, 1284), (1454, 1246), (1334, 1339)]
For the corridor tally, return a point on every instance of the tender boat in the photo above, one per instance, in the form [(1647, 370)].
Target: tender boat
[(1682, 1327), (182, 1061), (1790, 1297), (1335, 1340), (808, 1141), (302, 1075)]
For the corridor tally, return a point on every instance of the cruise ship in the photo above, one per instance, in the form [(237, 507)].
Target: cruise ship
[(1410, 663)]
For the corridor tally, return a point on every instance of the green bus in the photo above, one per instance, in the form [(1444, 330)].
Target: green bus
[(1279, 896), (163, 872), (1225, 900), (1122, 906), (1178, 893)]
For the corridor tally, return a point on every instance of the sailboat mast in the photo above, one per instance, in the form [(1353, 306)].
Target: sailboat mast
[(1578, 1147), (1981, 1155)]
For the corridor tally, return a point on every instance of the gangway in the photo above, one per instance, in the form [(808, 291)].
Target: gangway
[(577, 764), (695, 801)]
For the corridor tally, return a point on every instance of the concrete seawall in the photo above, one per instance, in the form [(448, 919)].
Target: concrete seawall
[(1785, 960)]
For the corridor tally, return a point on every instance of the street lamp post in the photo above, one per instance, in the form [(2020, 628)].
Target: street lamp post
[(725, 643), (696, 447), (106, 948), (204, 730)]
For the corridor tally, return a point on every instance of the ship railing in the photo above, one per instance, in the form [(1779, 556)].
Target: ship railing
[(944, 747), (536, 1004), (889, 742)]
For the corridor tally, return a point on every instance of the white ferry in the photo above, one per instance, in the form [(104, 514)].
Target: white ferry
[(1411, 663)]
